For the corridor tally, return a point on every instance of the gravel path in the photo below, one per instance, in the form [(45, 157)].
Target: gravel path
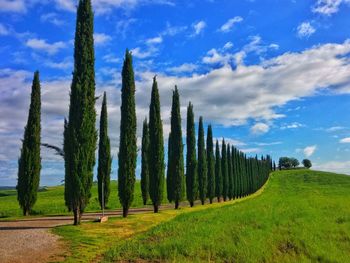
[(29, 240)]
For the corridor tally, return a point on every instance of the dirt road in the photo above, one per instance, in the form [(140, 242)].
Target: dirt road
[(29, 240)]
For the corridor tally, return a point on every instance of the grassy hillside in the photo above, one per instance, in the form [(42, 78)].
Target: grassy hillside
[(302, 216), (51, 201)]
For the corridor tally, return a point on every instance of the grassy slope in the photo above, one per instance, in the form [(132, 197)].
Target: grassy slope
[(51, 201), (302, 216)]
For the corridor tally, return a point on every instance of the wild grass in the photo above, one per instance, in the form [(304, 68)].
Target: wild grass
[(50, 201), (302, 216)]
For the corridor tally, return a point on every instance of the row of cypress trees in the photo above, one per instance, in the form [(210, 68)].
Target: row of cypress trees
[(227, 175)]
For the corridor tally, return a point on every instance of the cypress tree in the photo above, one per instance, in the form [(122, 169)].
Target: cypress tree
[(218, 174), (104, 157), (211, 165), (145, 162), (176, 161), (156, 149), (202, 163), (80, 133), (29, 163), (128, 141), (229, 173), (191, 162), (224, 170), (168, 175)]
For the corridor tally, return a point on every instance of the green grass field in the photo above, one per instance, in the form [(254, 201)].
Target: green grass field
[(51, 201), (302, 216)]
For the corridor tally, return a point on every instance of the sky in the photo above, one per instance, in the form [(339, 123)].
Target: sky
[(271, 76)]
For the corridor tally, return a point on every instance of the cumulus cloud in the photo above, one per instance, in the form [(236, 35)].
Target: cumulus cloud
[(186, 67), (52, 18), (260, 128), (43, 46), (17, 6), (328, 7), (228, 45), (342, 167), (223, 96), (227, 27), (305, 29), (101, 39), (309, 150), (198, 27), (345, 140)]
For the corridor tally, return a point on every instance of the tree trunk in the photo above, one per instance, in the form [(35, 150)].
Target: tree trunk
[(210, 200), (155, 208), (125, 211), (25, 212), (202, 202), (219, 199), (77, 216), (224, 199), (191, 203), (176, 204)]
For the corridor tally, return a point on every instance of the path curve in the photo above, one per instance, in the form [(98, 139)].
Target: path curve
[(30, 241)]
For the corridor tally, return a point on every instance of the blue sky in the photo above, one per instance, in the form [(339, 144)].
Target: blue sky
[(272, 76)]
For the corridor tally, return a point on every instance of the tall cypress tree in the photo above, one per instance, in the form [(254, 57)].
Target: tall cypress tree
[(229, 173), (29, 163), (169, 183), (202, 163), (224, 170), (156, 151), (80, 134), (176, 161), (191, 160), (145, 163), (211, 165), (104, 157), (128, 141), (218, 174)]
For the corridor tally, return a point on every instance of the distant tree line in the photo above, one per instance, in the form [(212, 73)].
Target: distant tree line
[(224, 173), (291, 162)]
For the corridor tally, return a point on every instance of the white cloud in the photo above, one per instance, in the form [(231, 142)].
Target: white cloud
[(223, 95), (294, 125), (16, 6), (52, 18), (309, 150), (260, 128), (154, 40), (214, 57), (67, 5), (198, 27), (43, 46), (227, 27), (328, 7), (335, 128), (342, 167), (3, 30), (101, 39), (345, 140), (142, 54), (268, 143), (186, 67), (228, 45), (173, 30), (305, 29), (111, 58), (251, 150)]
